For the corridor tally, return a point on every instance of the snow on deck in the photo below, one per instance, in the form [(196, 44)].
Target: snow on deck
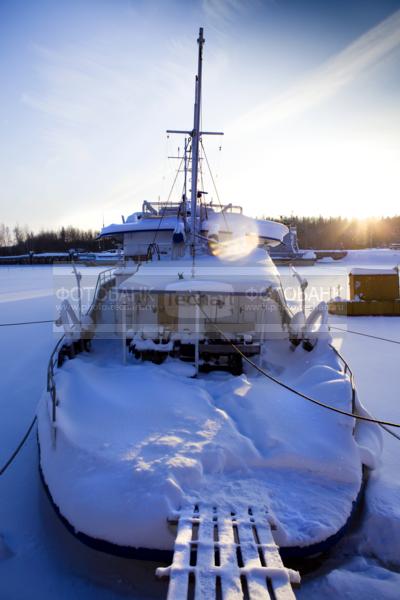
[(243, 275), (137, 442)]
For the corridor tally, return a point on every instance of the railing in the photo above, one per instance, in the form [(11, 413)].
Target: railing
[(158, 209), (346, 369), (51, 384), (103, 278)]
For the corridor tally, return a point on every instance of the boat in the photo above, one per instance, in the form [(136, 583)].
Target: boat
[(330, 255), (288, 252), (196, 389), (36, 258), (107, 257)]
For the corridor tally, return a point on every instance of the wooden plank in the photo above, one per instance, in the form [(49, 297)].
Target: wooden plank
[(252, 565), (281, 583), (229, 554), (178, 572), (231, 587), (205, 577)]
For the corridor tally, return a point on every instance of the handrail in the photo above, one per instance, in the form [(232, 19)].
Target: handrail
[(102, 278), (172, 205), (346, 370), (51, 384)]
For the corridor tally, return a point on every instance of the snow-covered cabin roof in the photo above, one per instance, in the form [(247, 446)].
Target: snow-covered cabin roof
[(250, 275), (146, 224), (237, 223)]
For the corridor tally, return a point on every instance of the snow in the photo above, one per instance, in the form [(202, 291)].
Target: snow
[(38, 557), (37, 254), (196, 285), (37, 553), (212, 274), (358, 271), (326, 259), (372, 258), (359, 578), (51, 254), (172, 441)]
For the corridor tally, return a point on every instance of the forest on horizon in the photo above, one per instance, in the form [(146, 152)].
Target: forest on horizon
[(336, 233), (20, 240), (313, 232)]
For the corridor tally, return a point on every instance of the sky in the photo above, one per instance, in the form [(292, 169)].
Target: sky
[(306, 92)]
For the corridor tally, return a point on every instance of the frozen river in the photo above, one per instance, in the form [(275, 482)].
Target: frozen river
[(39, 558)]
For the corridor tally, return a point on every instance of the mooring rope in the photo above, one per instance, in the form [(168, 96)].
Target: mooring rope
[(25, 323), (345, 413), (374, 337), (19, 447)]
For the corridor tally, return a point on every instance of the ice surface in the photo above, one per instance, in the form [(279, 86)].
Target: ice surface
[(358, 578), (48, 560)]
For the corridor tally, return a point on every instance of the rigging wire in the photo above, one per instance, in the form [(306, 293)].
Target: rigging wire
[(175, 178), (208, 166), (201, 167), (214, 184), (168, 199)]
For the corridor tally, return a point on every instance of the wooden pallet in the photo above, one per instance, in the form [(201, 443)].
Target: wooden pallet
[(225, 555)]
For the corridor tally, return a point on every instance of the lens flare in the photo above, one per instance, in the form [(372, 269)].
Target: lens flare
[(236, 246)]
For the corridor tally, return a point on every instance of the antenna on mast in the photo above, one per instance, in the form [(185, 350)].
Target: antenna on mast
[(195, 135)]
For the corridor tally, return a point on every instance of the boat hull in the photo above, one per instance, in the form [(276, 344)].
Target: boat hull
[(209, 439), (290, 553)]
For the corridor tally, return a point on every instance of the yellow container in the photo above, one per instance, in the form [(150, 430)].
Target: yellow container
[(384, 308), (373, 284)]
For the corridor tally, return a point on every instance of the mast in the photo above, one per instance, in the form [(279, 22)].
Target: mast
[(195, 134), (185, 171)]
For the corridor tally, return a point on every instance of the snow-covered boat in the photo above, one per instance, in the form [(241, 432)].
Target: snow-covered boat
[(196, 390), (289, 253), (108, 257)]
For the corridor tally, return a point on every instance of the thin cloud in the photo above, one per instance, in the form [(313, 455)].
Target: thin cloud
[(222, 11), (77, 83), (221, 15), (329, 79)]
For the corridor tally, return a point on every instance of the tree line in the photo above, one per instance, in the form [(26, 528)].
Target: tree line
[(313, 232), (336, 232), (20, 240)]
